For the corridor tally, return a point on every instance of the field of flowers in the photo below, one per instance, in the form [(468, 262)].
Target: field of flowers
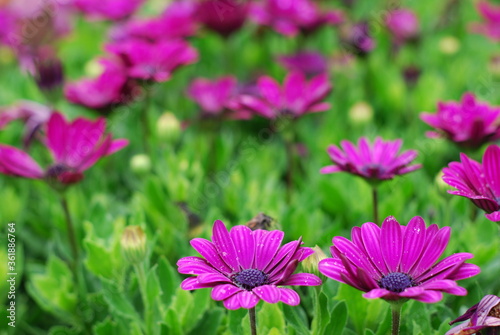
[(249, 167)]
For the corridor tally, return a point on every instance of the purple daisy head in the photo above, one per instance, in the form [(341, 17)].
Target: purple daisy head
[(373, 162), (491, 25), (469, 123), (396, 262), (108, 9), (308, 62), (483, 317), (478, 182), (403, 24), (222, 16), (243, 266), (297, 97)]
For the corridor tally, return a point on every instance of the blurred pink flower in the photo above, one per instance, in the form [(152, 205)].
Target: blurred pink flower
[(295, 98), (469, 123), (74, 146), (217, 97), (403, 24), (358, 39), (289, 17), (483, 318), (153, 61), (108, 9), (308, 62), (491, 15), (222, 16)]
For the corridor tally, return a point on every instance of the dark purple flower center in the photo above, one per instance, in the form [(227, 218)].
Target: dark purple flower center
[(54, 171), (396, 282), (249, 278), (372, 170)]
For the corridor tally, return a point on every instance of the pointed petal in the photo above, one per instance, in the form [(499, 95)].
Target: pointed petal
[(208, 250), (303, 279), (267, 247), (247, 299), (413, 243), (18, 163), (224, 244), (56, 136), (233, 302), (244, 244), (268, 293), (391, 242), (192, 283), (289, 296), (224, 291)]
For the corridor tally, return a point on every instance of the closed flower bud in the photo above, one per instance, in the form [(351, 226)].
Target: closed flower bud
[(133, 244), (449, 45), (168, 127), (140, 164), (361, 113), (310, 264)]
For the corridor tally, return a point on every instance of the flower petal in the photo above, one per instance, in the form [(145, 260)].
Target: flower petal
[(56, 136), (244, 243), (224, 244), (206, 278), (247, 299), (376, 293), (192, 283), (224, 291), (208, 250), (289, 296), (268, 293), (267, 247), (413, 243), (435, 249), (18, 163), (391, 242), (233, 302), (303, 279)]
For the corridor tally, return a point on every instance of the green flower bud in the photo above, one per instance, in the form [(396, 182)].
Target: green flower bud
[(449, 45), (310, 264), (168, 127), (140, 164), (361, 113), (133, 244)]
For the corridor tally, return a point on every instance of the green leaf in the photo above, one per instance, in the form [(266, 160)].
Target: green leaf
[(235, 320), (356, 304), (270, 316), (105, 327), (296, 320), (385, 325), (209, 323), (169, 282), (338, 319), (118, 302)]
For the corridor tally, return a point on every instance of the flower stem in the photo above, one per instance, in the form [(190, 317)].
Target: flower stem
[(71, 234), (141, 278), (375, 204), (396, 317), (145, 118), (253, 325)]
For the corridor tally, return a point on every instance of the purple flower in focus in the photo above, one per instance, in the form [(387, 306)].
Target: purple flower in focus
[(110, 89), (222, 16), (217, 97), (308, 62), (108, 9), (177, 21), (491, 26), (395, 262), (289, 17), (357, 39), (484, 318), (296, 98), (153, 61), (469, 123), (478, 182), (74, 146), (376, 162), (244, 266), (403, 24)]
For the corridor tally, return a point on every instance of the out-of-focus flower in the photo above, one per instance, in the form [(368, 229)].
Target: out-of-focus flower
[(74, 146), (491, 15), (289, 17), (168, 127), (140, 163), (395, 262), (105, 92), (478, 182), (33, 114), (484, 318), (222, 16), (49, 73), (469, 123), (108, 9), (403, 24), (308, 62), (177, 21), (217, 97), (376, 162), (357, 38), (449, 45), (244, 266), (361, 113), (411, 74), (296, 98), (153, 61), (133, 243)]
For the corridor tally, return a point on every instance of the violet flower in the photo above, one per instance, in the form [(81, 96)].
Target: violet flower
[(358, 39), (222, 16), (308, 62), (289, 17), (373, 162), (75, 147), (217, 97), (295, 98), (103, 93), (397, 263), (469, 123), (478, 182), (403, 24), (153, 61), (244, 266), (484, 318), (108, 9), (491, 15)]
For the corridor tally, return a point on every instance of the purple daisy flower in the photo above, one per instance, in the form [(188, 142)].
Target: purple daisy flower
[(108, 9), (395, 262), (484, 318), (308, 62), (478, 182), (376, 162), (403, 24), (296, 98), (222, 16), (469, 123), (491, 26), (244, 266)]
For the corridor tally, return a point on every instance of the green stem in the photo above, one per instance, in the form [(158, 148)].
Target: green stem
[(396, 317), (146, 131), (71, 235), (253, 324), (141, 278), (375, 204)]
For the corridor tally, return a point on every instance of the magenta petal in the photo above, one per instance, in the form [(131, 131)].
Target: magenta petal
[(376, 293), (117, 145), (194, 266), (206, 278), (332, 268), (495, 216), (268, 293), (270, 90), (413, 243), (370, 234), (233, 302), (429, 297), (491, 166), (57, 136), (356, 256), (224, 291), (247, 299), (192, 283), (391, 241), (18, 163), (448, 286), (210, 253), (224, 245), (267, 247), (435, 249), (465, 271), (289, 296), (330, 169), (412, 292), (303, 279), (243, 241)]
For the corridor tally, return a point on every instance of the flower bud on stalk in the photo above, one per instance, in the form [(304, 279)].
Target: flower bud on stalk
[(168, 127), (133, 244)]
